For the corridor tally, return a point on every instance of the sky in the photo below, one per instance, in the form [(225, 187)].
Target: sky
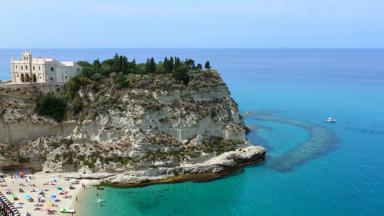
[(192, 24)]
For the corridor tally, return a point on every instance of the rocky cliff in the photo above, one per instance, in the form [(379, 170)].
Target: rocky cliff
[(157, 128)]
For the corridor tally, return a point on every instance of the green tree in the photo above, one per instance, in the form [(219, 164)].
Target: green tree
[(190, 64), (207, 65), (150, 66), (84, 64), (132, 68), (87, 71), (168, 65), (199, 67), (96, 65), (116, 64), (181, 74), (177, 62)]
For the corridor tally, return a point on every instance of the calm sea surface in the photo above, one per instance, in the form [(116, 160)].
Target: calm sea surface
[(335, 169)]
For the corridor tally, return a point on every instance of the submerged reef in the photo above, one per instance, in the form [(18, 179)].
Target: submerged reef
[(320, 141)]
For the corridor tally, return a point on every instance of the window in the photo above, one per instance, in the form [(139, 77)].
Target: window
[(21, 67), (66, 77), (51, 78), (33, 67), (39, 68), (26, 67), (16, 66), (52, 68)]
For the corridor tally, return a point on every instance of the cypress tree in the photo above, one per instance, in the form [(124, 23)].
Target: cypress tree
[(150, 66), (207, 65), (177, 62), (167, 65)]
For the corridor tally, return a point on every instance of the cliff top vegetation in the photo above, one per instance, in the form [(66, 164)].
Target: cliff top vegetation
[(119, 74)]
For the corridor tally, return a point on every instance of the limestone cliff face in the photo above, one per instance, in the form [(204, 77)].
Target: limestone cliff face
[(156, 123), (18, 122)]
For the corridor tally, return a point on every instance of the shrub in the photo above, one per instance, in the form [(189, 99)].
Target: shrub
[(51, 106), (122, 82), (23, 160), (74, 85), (181, 74), (96, 76)]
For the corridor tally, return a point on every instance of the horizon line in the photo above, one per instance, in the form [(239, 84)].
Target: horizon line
[(180, 48)]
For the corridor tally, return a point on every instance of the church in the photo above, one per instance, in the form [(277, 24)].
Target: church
[(42, 70)]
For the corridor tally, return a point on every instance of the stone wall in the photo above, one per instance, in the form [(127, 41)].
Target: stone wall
[(18, 132), (43, 87)]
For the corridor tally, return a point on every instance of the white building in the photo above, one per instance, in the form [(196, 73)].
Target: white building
[(42, 70)]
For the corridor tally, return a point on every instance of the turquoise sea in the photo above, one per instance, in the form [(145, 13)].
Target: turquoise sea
[(313, 168)]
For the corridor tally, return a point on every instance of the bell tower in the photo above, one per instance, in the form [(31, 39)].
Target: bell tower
[(27, 58)]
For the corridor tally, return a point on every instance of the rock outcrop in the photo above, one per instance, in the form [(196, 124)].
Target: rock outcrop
[(156, 129)]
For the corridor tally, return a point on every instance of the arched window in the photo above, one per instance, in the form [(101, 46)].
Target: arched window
[(22, 78), (27, 78), (21, 67), (34, 78), (33, 67), (26, 67)]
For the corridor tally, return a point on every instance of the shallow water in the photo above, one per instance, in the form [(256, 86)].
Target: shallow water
[(343, 178)]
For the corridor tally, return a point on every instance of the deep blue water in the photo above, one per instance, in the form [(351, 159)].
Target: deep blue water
[(345, 177)]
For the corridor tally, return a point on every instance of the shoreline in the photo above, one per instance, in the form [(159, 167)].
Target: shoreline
[(201, 177), (35, 185), (60, 190)]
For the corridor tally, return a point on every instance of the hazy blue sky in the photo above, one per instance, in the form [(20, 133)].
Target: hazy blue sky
[(191, 23)]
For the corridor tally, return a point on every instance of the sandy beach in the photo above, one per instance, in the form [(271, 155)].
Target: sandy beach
[(39, 192)]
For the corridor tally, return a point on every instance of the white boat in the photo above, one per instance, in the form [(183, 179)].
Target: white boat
[(330, 120), (67, 210)]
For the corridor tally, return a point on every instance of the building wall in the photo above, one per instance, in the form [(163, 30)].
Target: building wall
[(41, 70)]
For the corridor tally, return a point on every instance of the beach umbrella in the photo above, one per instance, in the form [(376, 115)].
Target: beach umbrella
[(53, 196), (59, 188), (48, 205), (27, 196)]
